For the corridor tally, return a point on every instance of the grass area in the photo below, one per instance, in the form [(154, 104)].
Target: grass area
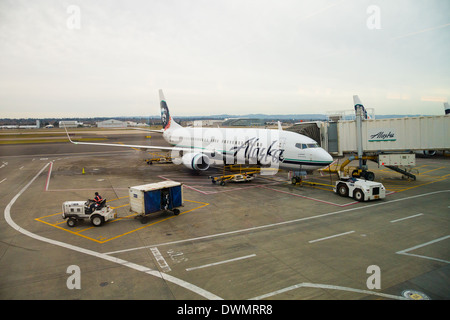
[(54, 135), (25, 141)]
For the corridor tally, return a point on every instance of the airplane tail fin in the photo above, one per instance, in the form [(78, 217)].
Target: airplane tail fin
[(168, 122), (447, 108)]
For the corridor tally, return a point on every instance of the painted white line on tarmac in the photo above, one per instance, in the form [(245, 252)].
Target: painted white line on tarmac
[(326, 286), (221, 262), (160, 259), (330, 237), (405, 251), (416, 215)]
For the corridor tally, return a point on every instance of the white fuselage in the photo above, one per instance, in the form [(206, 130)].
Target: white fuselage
[(268, 147)]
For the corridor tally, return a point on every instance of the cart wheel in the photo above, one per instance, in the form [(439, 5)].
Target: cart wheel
[(72, 222), (176, 212), (222, 183), (97, 220), (358, 195), (144, 219), (213, 181), (342, 190)]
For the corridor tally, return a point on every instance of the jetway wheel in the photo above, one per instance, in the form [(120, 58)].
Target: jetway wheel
[(368, 175)]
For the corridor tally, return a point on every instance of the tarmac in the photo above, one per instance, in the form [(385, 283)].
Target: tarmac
[(262, 240)]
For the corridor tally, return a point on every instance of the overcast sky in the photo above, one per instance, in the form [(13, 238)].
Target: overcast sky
[(109, 58)]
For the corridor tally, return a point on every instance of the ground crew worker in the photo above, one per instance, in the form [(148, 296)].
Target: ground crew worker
[(96, 202)]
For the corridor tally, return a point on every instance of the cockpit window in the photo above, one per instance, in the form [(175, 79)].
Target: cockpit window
[(306, 145)]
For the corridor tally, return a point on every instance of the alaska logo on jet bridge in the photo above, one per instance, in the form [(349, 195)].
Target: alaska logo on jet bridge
[(383, 134)]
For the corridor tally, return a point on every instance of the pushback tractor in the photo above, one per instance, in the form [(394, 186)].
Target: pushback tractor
[(359, 189)]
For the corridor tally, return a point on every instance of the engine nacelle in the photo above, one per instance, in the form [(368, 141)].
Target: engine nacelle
[(196, 161), (429, 152)]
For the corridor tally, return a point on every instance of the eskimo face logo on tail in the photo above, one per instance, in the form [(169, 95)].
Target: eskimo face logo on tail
[(165, 116)]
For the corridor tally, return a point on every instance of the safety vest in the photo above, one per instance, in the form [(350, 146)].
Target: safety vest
[(97, 199)]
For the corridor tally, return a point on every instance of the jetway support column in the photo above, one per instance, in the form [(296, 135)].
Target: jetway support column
[(359, 110)]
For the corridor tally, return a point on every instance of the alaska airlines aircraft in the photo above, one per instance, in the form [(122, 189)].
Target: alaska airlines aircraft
[(196, 148)]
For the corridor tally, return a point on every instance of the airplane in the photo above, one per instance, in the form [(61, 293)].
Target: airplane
[(196, 148)]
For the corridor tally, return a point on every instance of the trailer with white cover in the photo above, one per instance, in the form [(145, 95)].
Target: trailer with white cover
[(165, 196)]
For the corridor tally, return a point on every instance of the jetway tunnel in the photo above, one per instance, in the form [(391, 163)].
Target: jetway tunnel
[(363, 137)]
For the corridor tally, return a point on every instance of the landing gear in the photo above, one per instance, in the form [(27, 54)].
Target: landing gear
[(296, 180)]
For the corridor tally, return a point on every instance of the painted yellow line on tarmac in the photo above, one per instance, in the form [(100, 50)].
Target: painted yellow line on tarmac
[(101, 239)]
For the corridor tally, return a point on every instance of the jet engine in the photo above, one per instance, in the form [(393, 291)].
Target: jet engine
[(429, 152), (196, 161)]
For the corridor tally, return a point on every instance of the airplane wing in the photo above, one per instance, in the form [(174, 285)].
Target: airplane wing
[(142, 147), (149, 130)]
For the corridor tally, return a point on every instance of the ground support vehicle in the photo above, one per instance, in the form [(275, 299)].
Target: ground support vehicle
[(237, 177), (165, 196), (75, 211), (159, 159), (360, 190)]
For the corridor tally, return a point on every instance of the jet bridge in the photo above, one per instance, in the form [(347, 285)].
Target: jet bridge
[(375, 139), (394, 135)]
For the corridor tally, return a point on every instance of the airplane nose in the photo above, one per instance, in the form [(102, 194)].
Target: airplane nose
[(327, 157)]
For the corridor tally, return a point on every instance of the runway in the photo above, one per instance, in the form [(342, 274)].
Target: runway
[(262, 240)]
